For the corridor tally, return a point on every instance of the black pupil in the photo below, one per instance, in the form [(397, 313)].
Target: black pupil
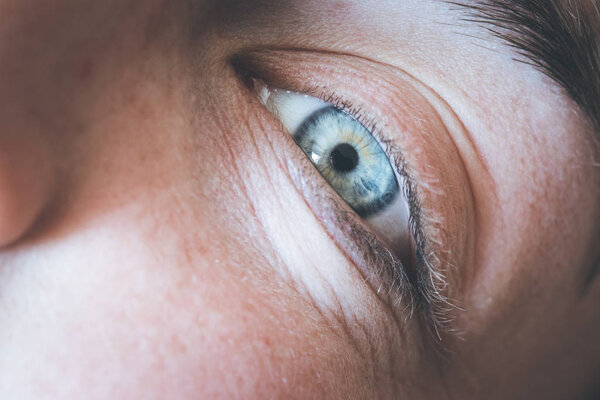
[(343, 158)]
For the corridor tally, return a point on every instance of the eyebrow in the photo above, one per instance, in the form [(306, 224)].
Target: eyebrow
[(558, 37)]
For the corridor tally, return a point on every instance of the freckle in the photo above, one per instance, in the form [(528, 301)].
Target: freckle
[(177, 346), (197, 250), (188, 256)]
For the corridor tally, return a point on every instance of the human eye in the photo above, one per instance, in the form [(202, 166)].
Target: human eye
[(405, 220), (372, 197), (350, 159)]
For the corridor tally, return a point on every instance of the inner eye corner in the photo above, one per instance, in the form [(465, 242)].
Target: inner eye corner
[(246, 72)]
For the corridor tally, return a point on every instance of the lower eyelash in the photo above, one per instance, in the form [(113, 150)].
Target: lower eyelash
[(378, 265), (383, 271)]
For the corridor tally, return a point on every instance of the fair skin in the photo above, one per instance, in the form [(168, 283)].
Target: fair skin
[(161, 236)]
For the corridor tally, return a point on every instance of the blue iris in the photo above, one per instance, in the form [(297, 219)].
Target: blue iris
[(350, 159)]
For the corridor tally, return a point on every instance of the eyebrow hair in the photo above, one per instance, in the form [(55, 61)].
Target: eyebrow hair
[(561, 38)]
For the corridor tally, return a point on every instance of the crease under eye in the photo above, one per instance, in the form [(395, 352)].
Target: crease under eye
[(350, 159)]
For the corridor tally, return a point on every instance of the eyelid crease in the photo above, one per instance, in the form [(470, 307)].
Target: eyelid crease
[(429, 293), (385, 263), (240, 63)]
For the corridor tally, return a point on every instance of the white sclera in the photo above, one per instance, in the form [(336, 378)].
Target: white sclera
[(291, 108)]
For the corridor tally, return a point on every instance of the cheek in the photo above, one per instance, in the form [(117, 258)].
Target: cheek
[(160, 272), (123, 326)]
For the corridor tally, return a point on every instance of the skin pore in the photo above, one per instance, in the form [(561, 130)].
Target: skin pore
[(164, 237)]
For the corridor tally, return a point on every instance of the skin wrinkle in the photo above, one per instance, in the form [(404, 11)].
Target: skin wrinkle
[(390, 313), (399, 324), (288, 277), (376, 293), (230, 143), (237, 330), (430, 92), (313, 302), (307, 292), (349, 334), (294, 51), (561, 39)]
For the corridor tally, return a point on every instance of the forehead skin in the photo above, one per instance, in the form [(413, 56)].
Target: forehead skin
[(160, 247)]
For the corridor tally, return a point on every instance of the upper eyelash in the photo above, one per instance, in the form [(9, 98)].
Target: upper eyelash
[(429, 282), (426, 291)]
